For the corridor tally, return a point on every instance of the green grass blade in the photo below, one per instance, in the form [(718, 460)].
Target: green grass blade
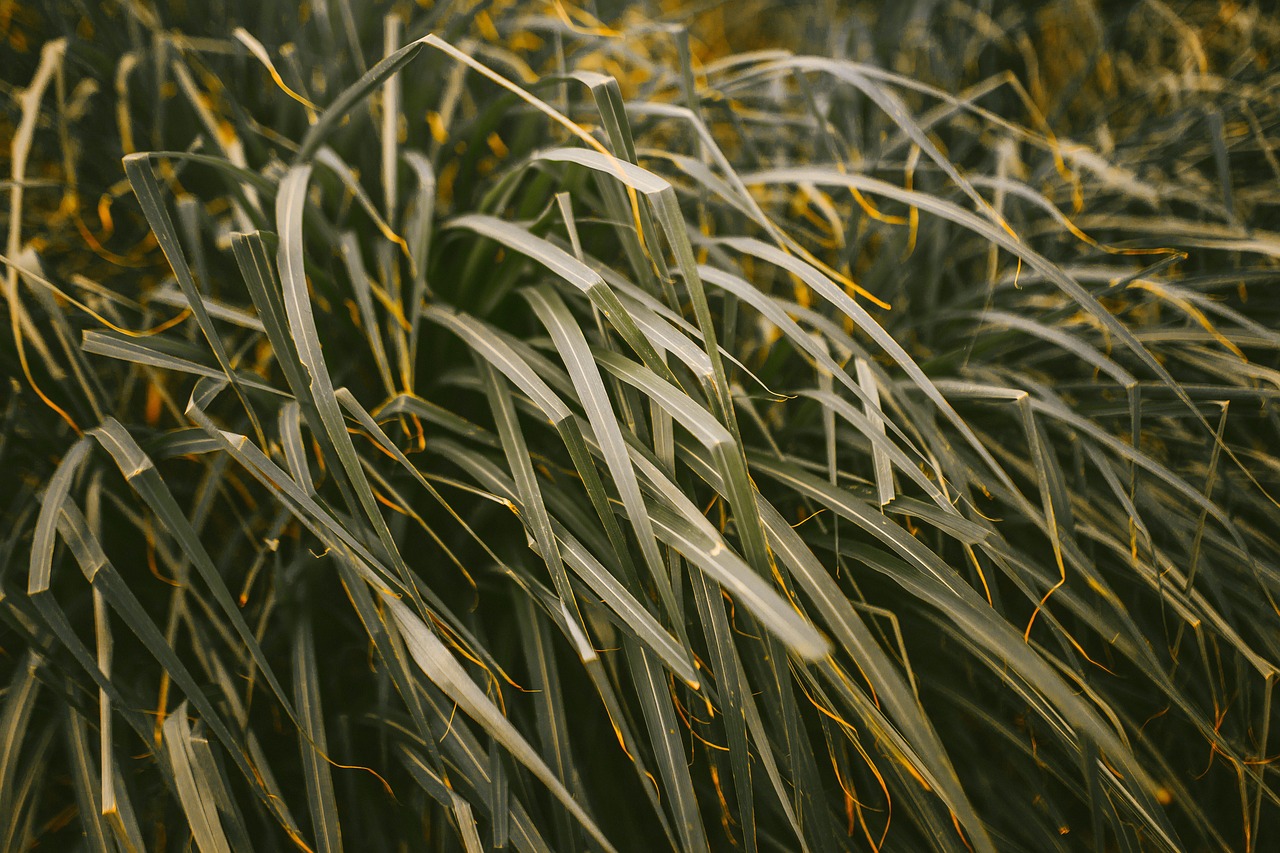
[(313, 743), (194, 791), (446, 673)]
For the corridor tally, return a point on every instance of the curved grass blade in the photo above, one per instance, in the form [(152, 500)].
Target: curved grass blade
[(145, 187), (517, 454), (139, 471), (574, 350), (573, 271), (352, 95), (194, 789), (446, 673), (289, 209), (313, 743), (668, 747)]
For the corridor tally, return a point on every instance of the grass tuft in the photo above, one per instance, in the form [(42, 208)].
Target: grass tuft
[(630, 426)]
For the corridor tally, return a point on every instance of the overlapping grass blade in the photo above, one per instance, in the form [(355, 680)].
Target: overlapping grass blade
[(992, 569)]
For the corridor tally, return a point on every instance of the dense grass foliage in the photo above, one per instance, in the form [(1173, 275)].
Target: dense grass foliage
[(477, 425)]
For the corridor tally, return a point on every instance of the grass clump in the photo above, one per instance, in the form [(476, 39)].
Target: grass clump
[(468, 426)]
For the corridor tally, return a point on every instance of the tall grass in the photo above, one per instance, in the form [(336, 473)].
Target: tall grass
[(485, 425)]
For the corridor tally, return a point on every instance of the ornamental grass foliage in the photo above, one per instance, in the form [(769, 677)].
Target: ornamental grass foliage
[(626, 427)]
